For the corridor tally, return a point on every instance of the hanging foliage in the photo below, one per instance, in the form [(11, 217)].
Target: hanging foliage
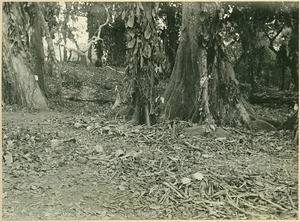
[(144, 53)]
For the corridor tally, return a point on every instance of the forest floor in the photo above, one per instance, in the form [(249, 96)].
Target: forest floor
[(77, 161)]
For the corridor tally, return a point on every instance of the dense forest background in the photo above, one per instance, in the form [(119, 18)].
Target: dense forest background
[(243, 48)]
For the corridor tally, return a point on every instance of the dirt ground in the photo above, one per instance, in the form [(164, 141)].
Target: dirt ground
[(77, 162)]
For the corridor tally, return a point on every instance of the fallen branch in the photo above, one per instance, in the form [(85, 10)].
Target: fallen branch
[(114, 70), (191, 146), (241, 210), (101, 101), (180, 194), (290, 199), (274, 204)]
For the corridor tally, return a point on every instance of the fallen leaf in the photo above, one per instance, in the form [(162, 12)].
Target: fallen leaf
[(207, 155), (10, 144), (119, 152), (154, 207), (77, 125), (220, 139), (27, 156), (106, 128), (185, 180), (198, 176), (132, 154), (101, 213), (55, 143), (8, 159), (97, 125), (82, 160), (173, 158), (122, 188), (98, 149), (33, 187)]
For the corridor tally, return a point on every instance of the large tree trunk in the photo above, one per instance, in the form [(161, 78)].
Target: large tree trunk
[(203, 87), (38, 50), (19, 85), (181, 93)]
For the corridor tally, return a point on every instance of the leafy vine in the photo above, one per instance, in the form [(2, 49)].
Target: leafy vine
[(144, 48)]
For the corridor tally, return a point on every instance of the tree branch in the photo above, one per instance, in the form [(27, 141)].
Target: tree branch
[(106, 22), (97, 37), (273, 38)]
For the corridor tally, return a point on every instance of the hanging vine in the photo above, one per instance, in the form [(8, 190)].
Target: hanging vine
[(144, 52)]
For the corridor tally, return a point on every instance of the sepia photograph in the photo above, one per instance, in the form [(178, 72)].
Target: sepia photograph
[(150, 110)]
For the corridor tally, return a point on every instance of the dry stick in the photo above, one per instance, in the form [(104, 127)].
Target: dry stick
[(290, 199), (173, 129), (164, 197), (115, 173), (241, 132), (274, 204), (35, 204), (191, 146), (247, 203), (80, 208), (210, 210), (241, 210), (181, 195), (226, 128), (114, 70)]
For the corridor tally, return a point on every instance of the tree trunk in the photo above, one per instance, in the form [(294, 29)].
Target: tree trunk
[(38, 50), (90, 54), (181, 93), (51, 50), (294, 67), (20, 67), (143, 59), (65, 53), (203, 87)]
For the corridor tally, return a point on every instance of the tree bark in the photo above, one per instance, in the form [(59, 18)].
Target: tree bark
[(37, 48), (19, 85), (51, 50), (203, 87), (181, 92)]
